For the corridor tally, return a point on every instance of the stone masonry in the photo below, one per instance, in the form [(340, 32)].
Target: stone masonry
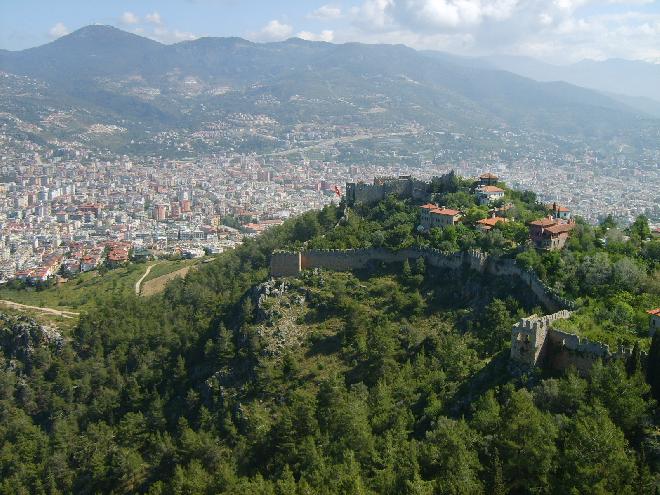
[(534, 343), (284, 264)]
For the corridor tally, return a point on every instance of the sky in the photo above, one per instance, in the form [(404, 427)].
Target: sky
[(556, 31)]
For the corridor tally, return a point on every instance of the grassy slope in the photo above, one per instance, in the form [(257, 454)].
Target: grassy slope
[(82, 292)]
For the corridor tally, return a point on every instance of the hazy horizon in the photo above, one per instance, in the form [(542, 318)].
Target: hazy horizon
[(558, 32)]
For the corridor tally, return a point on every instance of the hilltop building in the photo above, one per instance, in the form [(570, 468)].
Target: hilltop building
[(488, 179), (560, 212), (550, 233), (488, 194), (487, 224), (403, 186), (433, 216)]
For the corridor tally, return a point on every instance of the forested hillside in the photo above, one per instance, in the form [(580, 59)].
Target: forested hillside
[(390, 380), (100, 73)]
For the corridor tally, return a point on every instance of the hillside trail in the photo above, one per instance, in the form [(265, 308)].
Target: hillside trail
[(138, 284), (51, 311)]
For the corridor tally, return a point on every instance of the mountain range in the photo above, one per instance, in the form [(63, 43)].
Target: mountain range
[(121, 77)]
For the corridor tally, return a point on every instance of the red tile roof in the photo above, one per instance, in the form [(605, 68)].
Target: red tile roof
[(654, 312), (445, 211), (491, 221), (491, 189), (544, 222), (560, 228)]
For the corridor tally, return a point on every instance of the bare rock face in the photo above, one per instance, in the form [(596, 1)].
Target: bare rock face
[(261, 293), (276, 310), (20, 336)]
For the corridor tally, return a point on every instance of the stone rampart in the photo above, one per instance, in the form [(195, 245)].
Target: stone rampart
[(535, 343), (290, 264), (285, 264), (529, 337)]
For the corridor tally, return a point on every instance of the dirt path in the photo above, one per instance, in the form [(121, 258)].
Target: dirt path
[(156, 285), (50, 311), (138, 284)]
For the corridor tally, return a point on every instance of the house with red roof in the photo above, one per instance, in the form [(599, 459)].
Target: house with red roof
[(487, 224), (550, 233), (433, 216), (560, 212), (488, 194), (488, 179)]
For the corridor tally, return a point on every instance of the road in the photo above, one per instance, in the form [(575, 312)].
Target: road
[(50, 311), (138, 284), (333, 141)]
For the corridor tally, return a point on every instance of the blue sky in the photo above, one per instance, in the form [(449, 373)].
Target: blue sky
[(552, 30)]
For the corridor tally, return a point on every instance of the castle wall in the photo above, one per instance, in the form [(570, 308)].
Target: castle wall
[(533, 340), (285, 264), (290, 264), (535, 343), (529, 338)]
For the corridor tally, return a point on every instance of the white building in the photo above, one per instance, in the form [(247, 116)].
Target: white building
[(433, 216), (488, 194)]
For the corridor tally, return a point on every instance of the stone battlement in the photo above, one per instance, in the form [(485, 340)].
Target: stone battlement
[(285, 264), (535, 343)]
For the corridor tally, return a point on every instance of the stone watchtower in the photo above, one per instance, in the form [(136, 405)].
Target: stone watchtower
[(529, 342)]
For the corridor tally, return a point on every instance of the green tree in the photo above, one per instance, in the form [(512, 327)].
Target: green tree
[(450, 457), (653, 366), (640, 229), (526, 441), (623, 396), (594, 457)]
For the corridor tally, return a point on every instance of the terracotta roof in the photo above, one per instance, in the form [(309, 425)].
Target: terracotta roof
[(429, 206), (491, 221), (654, 312), (544, 222), (491, 189), (560, 228), (445, 211), (488, 175)]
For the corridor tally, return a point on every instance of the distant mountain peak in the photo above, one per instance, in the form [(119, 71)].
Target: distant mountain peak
[(103, 31)]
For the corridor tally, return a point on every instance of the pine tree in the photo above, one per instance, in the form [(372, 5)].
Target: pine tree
[(653, 367), (498, 478), (634, 362)]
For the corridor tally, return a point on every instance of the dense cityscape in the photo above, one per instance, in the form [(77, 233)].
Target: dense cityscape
[(359, 247), (68, 208)]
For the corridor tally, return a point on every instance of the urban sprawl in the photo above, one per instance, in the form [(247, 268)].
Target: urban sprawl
[(68, 210)]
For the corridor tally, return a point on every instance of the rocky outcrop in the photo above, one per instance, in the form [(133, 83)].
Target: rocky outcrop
[(20, 336)]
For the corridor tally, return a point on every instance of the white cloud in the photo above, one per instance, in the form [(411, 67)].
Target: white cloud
[(273, 31), (374, 14), (325, 35), (165, 35), (154, 18), (129, 18), (326, 13), (58, 30), (556, 30)]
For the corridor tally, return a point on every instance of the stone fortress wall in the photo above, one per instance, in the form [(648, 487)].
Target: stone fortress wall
[(533, 341), (291, 263), (403, 187)]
